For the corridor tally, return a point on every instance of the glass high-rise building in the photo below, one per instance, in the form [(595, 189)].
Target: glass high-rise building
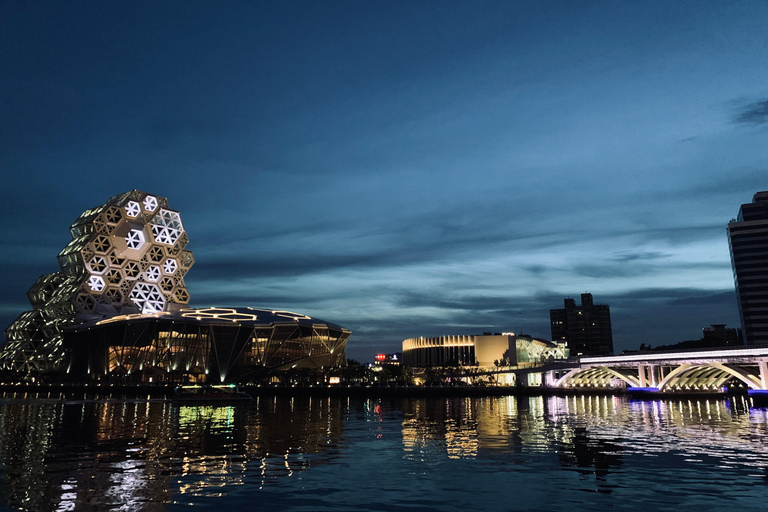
[(748, 242)]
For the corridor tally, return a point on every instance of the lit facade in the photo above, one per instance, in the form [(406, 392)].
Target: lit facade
[(486, 351), (126, 256), (119, 304), (748, 243), (202, 345)]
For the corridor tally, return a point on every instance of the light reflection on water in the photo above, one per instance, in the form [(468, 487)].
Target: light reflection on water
[(495, 453)]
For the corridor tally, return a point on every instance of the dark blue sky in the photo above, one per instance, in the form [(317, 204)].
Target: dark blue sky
[(400, 168)]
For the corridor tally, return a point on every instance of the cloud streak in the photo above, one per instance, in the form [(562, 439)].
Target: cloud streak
[(755, 113)]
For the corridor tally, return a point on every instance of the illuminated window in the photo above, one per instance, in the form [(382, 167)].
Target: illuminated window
[(134, 239), (167, 227), (150, 203), (153, 273), (96, 283), (132, 209), (170, 266), (148, 298)]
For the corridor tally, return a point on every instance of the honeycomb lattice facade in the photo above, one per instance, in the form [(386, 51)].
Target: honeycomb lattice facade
[(126, 257)]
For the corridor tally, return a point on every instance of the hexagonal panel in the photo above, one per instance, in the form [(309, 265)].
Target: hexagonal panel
[(115, 260), (113, 276), (132, 209), (113, 215), (156, 254), (85, 302), (135, 239), (186, 259), (150, 203), (167, 227), (97, 264), (182, 295), (114, 295), (166, 284), (152, 273), (132, 270), (148, 298), (170, 266), (101, 244), (96, 283)]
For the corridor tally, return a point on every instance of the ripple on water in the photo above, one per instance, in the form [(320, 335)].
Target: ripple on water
[(555, 454)]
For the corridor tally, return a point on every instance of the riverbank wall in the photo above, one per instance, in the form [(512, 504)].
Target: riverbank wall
[(89, 390)]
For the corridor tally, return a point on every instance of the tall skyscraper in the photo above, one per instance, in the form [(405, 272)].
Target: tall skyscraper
[(748, 241), (586, 328)]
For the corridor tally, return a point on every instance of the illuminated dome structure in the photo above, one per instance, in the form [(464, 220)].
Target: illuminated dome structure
[(203, 345), (124, 269)]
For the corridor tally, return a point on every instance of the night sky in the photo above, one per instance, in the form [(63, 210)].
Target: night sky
[(399, 168)]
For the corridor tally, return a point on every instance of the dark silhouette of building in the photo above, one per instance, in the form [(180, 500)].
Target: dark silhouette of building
[(719, 335), (748, 242), (715, 336), (586, 328)]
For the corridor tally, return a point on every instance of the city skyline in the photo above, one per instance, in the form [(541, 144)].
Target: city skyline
[(403, 169)]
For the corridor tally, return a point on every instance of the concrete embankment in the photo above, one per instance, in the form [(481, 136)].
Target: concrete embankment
[(42, 390)]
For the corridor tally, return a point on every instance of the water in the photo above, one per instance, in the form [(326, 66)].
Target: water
[(316, 454)]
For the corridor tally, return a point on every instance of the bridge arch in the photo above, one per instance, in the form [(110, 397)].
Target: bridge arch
[(711, 375), (596, 376)]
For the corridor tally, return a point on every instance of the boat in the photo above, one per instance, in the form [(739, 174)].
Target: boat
[(210, 395)]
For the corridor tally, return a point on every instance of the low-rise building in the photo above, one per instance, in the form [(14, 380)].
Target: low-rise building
[(483, 351)]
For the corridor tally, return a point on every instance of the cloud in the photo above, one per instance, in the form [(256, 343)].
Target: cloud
[(678, 314), (625, 257), (754, 113), (607, 270)]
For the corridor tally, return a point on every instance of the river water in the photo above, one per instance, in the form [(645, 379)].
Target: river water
[(314, 454)]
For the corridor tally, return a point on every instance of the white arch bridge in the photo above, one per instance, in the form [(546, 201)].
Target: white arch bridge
[(699, 370)]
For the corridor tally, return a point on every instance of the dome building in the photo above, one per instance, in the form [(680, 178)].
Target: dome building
[(202, 345)]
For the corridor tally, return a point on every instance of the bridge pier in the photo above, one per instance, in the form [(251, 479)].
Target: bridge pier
[(763, 366), (648, 375)]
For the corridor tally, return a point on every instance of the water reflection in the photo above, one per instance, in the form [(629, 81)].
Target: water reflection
[(591, 435), (112, 455), (146, 455)]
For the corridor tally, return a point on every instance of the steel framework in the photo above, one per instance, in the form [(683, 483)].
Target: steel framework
[(126, 256)]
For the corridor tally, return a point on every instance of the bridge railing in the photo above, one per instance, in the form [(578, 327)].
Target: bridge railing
[(685, 350)]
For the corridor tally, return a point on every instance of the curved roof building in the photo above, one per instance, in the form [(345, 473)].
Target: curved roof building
[(483, 351), (120, 295), (203, 345)]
